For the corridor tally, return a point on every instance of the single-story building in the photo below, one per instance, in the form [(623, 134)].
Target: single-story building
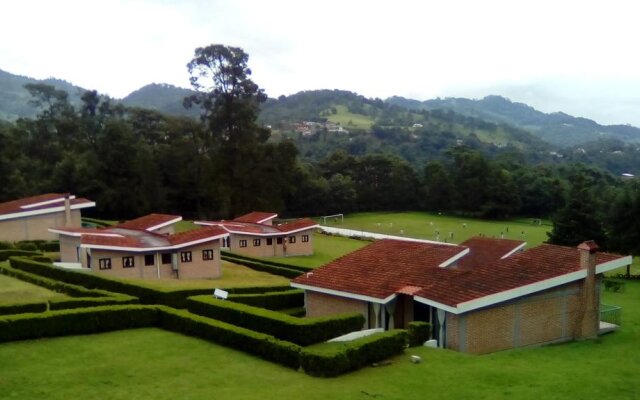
[(31, 217), (498, 300), (144, 248), (256, 235)]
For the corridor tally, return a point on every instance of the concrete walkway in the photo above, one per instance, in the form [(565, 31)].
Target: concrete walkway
[(373, 235)]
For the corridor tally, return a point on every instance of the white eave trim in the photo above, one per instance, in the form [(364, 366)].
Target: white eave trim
[(148, 249), (23, 214), (162, 225), (279, 233), (262, 221), (611, 265), (44, 203), (455, 258), (520, 247), (79, 234), (343, 294), (435, 304)]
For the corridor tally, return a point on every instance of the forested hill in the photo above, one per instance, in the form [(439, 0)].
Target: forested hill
[(556, 128), (161, 97)]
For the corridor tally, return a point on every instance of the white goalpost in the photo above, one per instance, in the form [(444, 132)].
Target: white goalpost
[(324, 218)]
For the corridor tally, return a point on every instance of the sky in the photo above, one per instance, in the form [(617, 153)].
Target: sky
[(579, 57)]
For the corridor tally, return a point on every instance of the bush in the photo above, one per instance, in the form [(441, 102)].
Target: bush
[(301, 268), (28, 246), (5, 254), (259, 344), (418, 333), (338, 358), (302, 331), (21, 308), (74, 322), (42, 259), (271, 301), (263, 267), (5, 245), (50, 247)]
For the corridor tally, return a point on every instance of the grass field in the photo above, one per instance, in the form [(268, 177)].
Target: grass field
[(431, 226), (350, 120), (16, 291), (233, 275), (154, 364), (325, 248)]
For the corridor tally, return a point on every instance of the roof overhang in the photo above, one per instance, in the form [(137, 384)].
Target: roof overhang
[(343, 294), (42, 211), (163, 224), (455, 258), (261, 234), (80, 234), (156, 248), (515, 250), (46, 202)]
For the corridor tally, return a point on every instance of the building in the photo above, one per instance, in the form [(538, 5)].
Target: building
[(145, 248), (31, 217), (256, 235), (509, 299)]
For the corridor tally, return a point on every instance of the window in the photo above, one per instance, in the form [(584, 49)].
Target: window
[(104, 263), (292, 239), (243, 243), (166, 258), (185, 256), (256, 242), (207, 254), (305, 238), (149, 259), (279, 240), (269, 241), (127, 262)]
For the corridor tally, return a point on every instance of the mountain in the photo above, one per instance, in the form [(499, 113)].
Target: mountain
[(161, 97), (14, 98), (556, 128)]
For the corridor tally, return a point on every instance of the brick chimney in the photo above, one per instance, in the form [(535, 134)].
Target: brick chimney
[(67, 210), (589, 320)]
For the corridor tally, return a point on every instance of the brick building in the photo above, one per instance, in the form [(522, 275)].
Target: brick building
[(31, 217), (482, 296), (256, 235), (145, 248)]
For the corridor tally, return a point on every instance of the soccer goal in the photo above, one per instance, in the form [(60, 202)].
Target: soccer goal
[(335, 218)]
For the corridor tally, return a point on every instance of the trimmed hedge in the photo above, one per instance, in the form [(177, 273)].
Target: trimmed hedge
[(272, 300), (50, 247), (300, 268), (77, 321), (147, 295), (302, 331), (342, 357), (262, 267), (418, 333), (5, 254), (21, 308), (259, 344)]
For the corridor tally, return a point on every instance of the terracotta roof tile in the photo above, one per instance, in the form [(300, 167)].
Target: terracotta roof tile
[(486, 250), (297, 225), (149, 221), (196, 234), (256, 217), (51, 200)]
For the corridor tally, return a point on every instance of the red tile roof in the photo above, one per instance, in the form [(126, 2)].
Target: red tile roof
[(249, 228), (534, 265), (383, 267), (150, 221), (256, 217), (41, 203), (486, 250), (196, 234), (297, 225)]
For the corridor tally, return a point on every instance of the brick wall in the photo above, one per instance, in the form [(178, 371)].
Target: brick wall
[(299, 248), (320, 305), (36, 227)]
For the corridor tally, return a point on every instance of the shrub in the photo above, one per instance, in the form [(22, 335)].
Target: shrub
[(28, 246), (50, 247), (5, 245), (271, 301), (5, 254), (74, 322), (338, 358), (301, 268), (43, 259), (263, 267), (418, 333), (302, 331), (259, 344), (20, 308)]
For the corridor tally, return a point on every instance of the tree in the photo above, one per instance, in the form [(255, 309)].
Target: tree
[(624, 222), (578, 220)]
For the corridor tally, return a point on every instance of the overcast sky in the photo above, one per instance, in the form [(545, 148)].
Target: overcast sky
[(580, 57)]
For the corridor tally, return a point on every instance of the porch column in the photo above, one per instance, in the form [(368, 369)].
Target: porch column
[(390, 307), (441, 318), (376, 315)]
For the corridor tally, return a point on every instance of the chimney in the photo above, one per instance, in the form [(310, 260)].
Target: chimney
[(588, 321), (67, 210)]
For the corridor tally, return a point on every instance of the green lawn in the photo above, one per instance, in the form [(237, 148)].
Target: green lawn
[(233, 275), (426, 225), (350, 120), (325, 248), (154, 364), (16, 291)]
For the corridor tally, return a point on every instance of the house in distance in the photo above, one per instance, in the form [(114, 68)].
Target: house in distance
[(145, 248), (30, 218), (256, 235)]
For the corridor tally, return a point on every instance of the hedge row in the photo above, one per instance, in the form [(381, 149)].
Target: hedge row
[(147, 295), (259, 344), (271, 301), (262, 267), (21, 308), (77, 321), (32, 245), (418, 333), (5, 254), (302, 331), (300, 268), (338, 358)]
